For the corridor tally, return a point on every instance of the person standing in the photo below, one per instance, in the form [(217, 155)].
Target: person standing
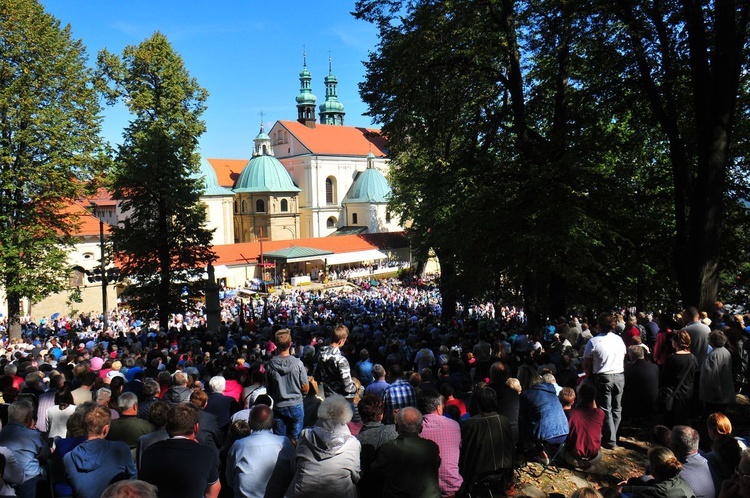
[(379, 385), (716, 388), (641, 385), (698, 335), (287, 384), (363, 368), (679, 373), (399, 394), (604, 360), (333, 368)]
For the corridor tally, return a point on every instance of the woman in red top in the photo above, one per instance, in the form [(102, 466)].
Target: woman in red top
[(630, 331), (447, 391)]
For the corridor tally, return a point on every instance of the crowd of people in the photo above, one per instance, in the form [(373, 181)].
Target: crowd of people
[(367, 392)]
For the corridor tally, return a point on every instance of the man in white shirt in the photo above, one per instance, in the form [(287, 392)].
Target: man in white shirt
[(604, 361)]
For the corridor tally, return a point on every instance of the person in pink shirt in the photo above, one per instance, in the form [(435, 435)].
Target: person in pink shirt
[(446, 433), (233, 387)]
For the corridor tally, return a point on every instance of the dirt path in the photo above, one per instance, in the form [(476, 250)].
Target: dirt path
[(627, 460)]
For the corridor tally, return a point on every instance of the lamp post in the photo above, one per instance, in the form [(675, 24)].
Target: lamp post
[(103, 267)]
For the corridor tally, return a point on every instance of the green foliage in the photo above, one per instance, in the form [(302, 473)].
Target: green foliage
[(163, 242), (49, 148), (530, 153)]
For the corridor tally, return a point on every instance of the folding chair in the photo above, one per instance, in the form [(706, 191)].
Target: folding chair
[(556, 452)]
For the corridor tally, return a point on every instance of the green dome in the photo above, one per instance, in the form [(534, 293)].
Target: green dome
[(264, 173), (211, 187), (306, 98), (370, 187), (331, 106)]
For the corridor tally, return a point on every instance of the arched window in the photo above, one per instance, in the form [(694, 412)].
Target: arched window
[(330, 190), (331, 222), (284, 206), (236, 206), (244, 206), (75, 278), (387, 216), (260, 206), (354, 218)]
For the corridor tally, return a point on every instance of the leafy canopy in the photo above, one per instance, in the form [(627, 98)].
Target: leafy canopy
[(163, 243), (49, 149)]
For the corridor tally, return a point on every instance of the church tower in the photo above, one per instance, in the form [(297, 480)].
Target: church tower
[(331, 111), (305, 99)]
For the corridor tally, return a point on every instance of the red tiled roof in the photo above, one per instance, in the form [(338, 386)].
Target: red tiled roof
[(88, 224), (333, 140), (103, 197), (327, 140), (227, 170), (249, 252)]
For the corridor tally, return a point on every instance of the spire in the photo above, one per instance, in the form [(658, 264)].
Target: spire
[(331, 111), (305, 100)]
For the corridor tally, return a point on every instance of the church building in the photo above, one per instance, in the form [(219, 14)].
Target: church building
[(306, 178)]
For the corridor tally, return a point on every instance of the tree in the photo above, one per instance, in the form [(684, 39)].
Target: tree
[(490, 158), (563, 133), (49, 149), (162, 244), (690, 57)]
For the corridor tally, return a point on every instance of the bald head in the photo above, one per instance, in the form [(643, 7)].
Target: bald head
[(261, 418), (409, 421)]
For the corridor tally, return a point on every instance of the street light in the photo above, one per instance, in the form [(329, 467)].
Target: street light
[(103, 268)]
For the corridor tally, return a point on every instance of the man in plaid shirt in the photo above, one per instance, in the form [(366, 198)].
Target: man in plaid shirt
[(446, 433), (399, 394)]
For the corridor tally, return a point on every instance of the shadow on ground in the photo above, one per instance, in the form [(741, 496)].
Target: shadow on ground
[(627, 460)]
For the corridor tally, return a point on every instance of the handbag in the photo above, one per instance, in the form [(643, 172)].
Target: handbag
[(667, 395), (666, 399)]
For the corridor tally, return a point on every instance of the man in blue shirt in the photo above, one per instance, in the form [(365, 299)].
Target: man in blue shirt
[(27, 444), (260, 465), (380, 385), (363, 368)]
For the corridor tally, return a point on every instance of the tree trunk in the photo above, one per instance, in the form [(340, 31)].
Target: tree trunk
[(448, 287), (531, 301), (14, 315), (557, 303)]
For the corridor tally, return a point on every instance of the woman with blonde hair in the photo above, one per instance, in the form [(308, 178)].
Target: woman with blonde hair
[(665, 482), (586, 492)]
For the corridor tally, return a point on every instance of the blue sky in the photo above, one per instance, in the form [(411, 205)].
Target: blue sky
[(246, 53)]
